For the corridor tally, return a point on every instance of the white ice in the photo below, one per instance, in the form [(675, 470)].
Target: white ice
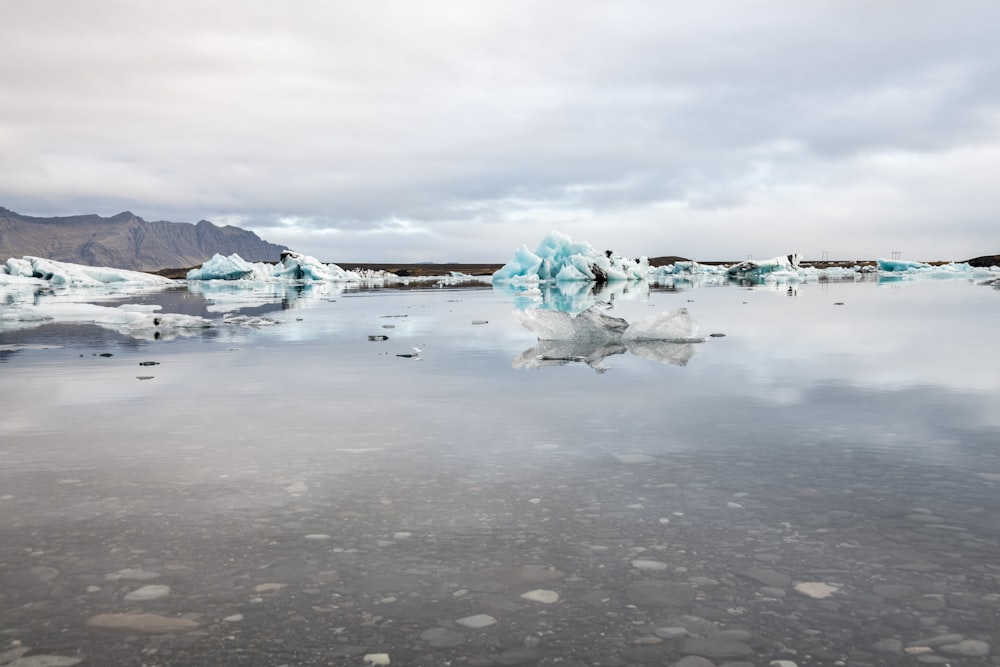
[(590, 325), (594, 325), (557, 258), (752, 269), (292, 267), (48, 272)]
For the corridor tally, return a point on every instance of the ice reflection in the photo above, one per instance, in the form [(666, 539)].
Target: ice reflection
[(573, 297), (229, 296), (593, 353)]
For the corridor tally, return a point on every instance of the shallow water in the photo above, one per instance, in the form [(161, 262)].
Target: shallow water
[(309, 497)]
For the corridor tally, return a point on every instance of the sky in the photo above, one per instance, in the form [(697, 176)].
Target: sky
[(458, 130)]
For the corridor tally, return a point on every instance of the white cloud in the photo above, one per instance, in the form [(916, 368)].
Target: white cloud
[(457, 131)]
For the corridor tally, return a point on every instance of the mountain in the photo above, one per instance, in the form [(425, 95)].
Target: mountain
[(126, 241)]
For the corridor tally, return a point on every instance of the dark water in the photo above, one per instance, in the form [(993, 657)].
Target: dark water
[(301, 495)]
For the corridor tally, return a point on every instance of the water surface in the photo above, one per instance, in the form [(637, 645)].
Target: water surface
[(310, 497)]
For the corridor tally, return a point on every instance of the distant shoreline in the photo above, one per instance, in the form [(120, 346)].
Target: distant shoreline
[(404, 269)]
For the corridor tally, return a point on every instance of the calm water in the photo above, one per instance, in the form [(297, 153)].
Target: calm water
[(820, 485)]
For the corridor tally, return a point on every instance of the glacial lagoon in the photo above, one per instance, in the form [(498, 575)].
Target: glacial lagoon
[(820, 485)]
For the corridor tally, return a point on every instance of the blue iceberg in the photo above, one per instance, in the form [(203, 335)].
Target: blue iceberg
[(899, 265), (559, 259)]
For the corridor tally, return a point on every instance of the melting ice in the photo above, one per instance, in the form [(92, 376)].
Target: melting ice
[(593, 335), (557, 258)]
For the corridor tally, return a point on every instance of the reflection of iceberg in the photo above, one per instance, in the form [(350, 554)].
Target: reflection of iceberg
[(132, 320), (572, 297), (562, 352), (675, 327), (557, 258), (228, 296), (293, 266), (665, 352)]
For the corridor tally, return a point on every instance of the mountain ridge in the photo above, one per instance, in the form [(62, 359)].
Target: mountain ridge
[(126, 241)]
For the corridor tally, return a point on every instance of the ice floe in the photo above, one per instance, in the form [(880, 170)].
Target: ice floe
[(558, 258), (751, 269), (895, 268), (595, 325), (592, 336), (292, 266), (64, 274)]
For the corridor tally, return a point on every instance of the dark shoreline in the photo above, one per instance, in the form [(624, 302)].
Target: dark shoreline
[(403, 269)]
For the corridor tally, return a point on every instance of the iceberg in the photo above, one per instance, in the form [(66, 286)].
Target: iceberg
[(233, 267), (559, 259), (753, 270), (951, 269), (49, 272), (593, 325), (293, 266), (899, 265), (593, 335), (556, 325)]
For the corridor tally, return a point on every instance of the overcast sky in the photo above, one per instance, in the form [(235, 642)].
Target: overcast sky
[(459, 130)]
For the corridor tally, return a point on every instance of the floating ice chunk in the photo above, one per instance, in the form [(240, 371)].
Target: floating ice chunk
[(590, 325), (752, 269), (293, 266), (558, 258), (64, 274), (677, 326), (897, 267), (219, 267), (594, 325), (687, 268), (592, 335)]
